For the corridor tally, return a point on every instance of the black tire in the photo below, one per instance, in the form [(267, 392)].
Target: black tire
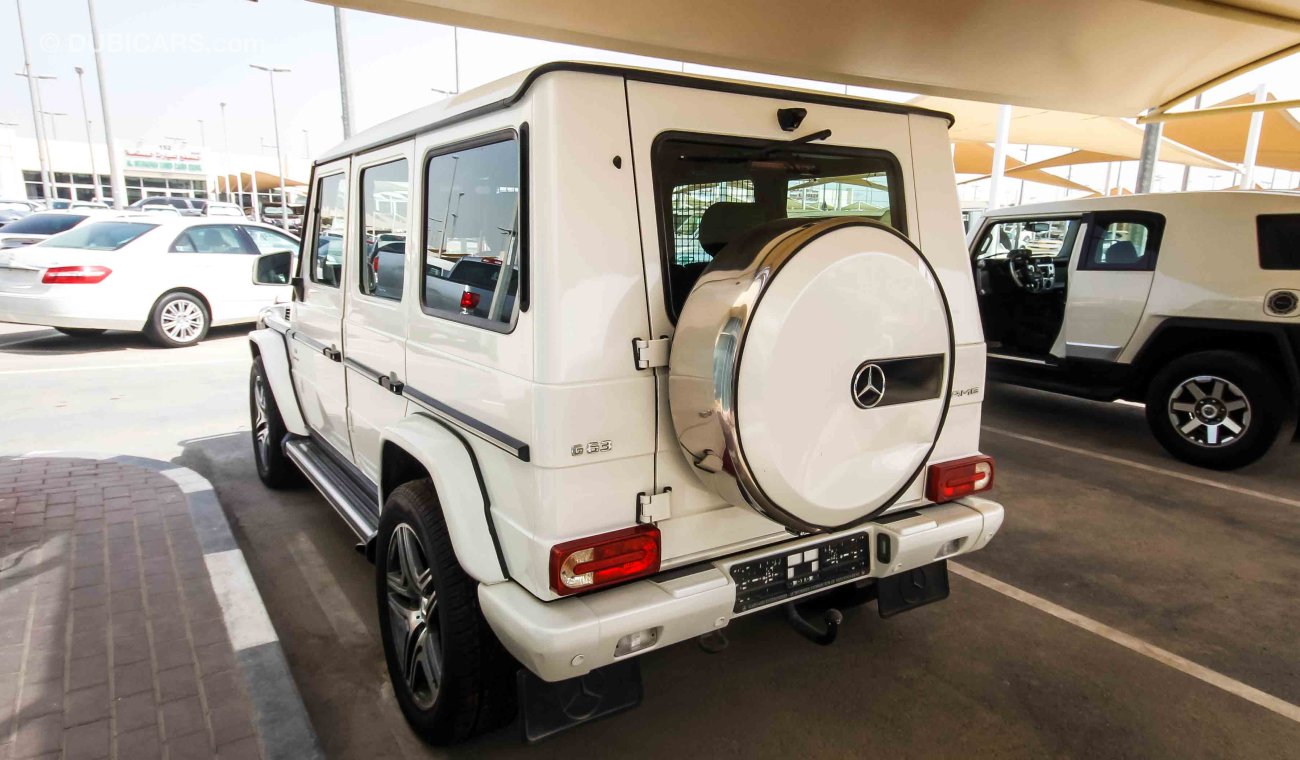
[(476, 691), (1181, 421), (165, 326), (274, 468), (81, 332)]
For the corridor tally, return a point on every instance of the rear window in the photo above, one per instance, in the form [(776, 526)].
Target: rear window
[(100, 236), (44, 224), (1279, 241)]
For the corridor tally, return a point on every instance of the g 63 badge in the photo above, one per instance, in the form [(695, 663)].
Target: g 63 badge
[(591, 447)]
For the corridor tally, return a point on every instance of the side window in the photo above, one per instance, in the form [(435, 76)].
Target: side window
[(1042, 237), (213, 238), (1126, 242), (472, 259), (1279, 241), (385, 214), (270, 241), (325, 255)]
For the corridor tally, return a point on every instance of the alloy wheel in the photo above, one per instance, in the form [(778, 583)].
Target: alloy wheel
[(261, 420), (413, 616), (1209, 411), (182, 320)]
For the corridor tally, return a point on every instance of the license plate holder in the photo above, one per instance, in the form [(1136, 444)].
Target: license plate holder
[(912, 588)]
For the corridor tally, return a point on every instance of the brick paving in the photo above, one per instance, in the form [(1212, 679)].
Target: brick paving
[(112, 641)]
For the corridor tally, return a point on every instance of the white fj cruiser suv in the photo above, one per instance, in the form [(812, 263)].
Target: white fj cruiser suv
[(719, 353), (1185, 301)]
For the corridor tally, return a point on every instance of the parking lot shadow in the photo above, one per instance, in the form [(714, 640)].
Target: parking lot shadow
[(48, 342)]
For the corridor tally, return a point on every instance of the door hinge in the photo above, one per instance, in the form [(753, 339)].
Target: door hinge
[(654, 507), (651, 353)]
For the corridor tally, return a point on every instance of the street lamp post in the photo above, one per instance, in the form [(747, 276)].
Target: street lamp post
[(54, 126), (279, 158), (41, 148), (90, 143), (225, 136), (114, 170)]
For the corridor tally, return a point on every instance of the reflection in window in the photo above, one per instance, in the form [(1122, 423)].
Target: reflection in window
[(1039, 237), (385, 202), (327, 238), (472, 252)]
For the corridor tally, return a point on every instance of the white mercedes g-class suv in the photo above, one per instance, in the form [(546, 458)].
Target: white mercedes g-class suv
[(1189, 302), (718, 351)]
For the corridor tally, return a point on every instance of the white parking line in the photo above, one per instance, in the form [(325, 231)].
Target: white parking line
[(150, 367), (1149, 468), (1165, 657)]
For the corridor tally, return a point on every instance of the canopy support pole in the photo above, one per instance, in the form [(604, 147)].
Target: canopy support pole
[(1252, 142), (1150, 154), (999, 154)]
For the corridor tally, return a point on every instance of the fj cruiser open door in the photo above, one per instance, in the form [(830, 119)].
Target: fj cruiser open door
[(729, 135)]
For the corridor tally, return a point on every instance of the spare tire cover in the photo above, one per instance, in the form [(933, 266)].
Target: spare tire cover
[(811, 369)]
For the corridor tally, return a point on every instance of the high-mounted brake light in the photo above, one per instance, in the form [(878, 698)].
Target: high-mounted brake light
[(952, 480), (469, 300), (79, 275), (588, 563)]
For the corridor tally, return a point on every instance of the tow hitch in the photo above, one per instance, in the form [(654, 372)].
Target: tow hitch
[(831, 617)]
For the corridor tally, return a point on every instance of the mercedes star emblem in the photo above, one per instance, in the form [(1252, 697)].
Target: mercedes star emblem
[(868, 385)]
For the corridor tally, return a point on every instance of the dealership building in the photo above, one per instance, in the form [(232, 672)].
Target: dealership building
[(149, 170)]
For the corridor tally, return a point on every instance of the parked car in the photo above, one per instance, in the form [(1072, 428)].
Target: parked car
[(551, 482), (223, 209), (34, 228), (12, 211), (275, 215), (1188, 302), (89, 206), (159, 210), (186, 206), (171, 278)]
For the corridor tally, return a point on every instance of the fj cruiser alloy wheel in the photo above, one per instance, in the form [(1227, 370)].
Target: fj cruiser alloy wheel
[(273, 467), (452, 678), (1216, 409), (811, 370), (178, 319)]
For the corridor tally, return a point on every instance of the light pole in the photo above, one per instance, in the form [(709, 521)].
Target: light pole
[(345, 75), (90, 144), (54, 127), (41, 148), (306, 145), (114, 170), (225, 136), (275, 122)]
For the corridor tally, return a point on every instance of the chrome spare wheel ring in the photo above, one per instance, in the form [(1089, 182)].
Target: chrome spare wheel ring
[(261, 423), (413, 616), (182, 320), (1209, 411)]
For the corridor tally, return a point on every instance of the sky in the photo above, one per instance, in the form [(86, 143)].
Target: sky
[(170, 63)]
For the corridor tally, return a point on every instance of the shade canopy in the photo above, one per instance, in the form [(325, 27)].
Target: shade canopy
[(1035, 126), (1114, 57), (1224, 135), (265, 182), (977, 158)]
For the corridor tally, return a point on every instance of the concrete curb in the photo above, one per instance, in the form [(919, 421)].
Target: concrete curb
[(283, 727)]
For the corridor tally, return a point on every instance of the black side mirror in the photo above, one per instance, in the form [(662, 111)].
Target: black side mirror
[(273, 268)]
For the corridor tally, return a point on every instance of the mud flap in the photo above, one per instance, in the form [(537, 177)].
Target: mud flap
[(551, 708), (912, 588)]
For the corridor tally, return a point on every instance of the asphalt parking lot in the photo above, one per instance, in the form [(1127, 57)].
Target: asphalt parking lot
[(1131, 607)]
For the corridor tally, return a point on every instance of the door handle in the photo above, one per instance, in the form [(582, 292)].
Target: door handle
[(332, 353), (395, 386)]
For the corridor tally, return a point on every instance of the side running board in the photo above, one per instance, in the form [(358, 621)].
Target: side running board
[(351, 499)]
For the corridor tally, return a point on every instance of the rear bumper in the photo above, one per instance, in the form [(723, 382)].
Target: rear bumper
[(570, 637), (78, 308)]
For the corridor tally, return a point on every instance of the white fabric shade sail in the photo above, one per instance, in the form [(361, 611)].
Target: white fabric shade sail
[(1115, 57)]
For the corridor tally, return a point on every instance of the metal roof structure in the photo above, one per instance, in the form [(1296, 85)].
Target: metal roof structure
[(1113, 57)]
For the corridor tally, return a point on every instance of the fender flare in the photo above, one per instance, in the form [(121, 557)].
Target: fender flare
[(458, 481), (270, 345)]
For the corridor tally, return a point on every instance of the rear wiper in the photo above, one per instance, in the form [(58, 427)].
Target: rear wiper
[(775, 145)]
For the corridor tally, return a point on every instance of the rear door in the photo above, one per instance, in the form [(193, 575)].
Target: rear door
[(317, 346), (671, 209), (1110, 281), (374, 325), (217, 259)]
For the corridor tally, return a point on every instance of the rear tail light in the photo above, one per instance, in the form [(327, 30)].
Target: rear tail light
[(81, 275), (469, 300), (952, 480), (609, 558)]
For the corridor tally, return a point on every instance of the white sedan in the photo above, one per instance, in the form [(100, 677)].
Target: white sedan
[(171, 277)]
